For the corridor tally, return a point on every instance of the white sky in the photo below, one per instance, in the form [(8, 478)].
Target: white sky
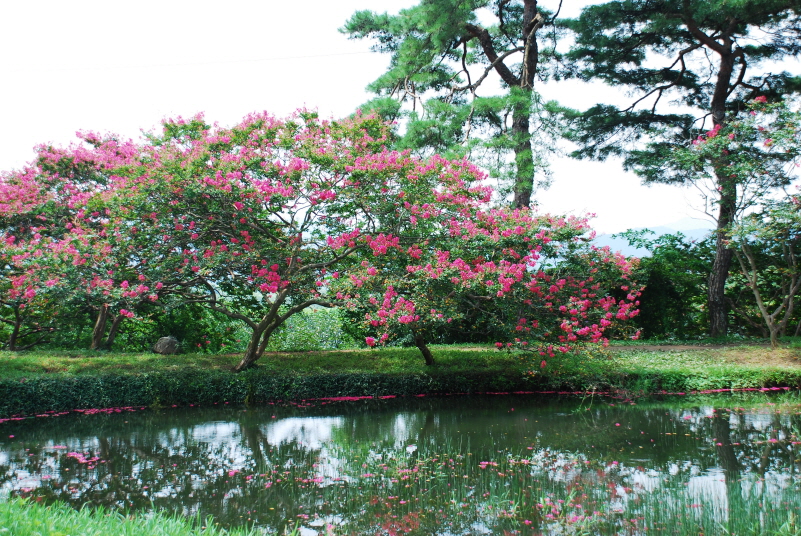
[(112, 66)]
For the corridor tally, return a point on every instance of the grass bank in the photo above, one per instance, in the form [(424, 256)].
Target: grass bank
[(21, 518), (39, 382)]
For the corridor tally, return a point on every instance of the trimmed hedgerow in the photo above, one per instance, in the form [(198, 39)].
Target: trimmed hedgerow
[(39, 394), (49, 392)]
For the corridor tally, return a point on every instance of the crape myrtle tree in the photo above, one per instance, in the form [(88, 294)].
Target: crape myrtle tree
[(691, 66), (537, 277), (268, 218), (20, 319), (26, 312), (443, 53), (27, 309), (54, 207), (253, 221), (36, 251)]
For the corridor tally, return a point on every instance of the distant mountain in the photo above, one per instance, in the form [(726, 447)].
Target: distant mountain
[(692, 228)]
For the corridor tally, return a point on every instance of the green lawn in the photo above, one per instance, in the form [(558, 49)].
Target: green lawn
[(387, 360), (449, 358)]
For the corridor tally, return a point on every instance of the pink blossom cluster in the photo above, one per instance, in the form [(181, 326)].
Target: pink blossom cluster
[(510, 258)]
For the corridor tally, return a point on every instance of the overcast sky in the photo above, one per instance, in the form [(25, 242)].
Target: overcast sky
[(121, 67)]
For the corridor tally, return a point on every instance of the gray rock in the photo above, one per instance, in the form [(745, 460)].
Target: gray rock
[(166, 345)]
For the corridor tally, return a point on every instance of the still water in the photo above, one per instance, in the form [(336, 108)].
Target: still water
[(503, 464)]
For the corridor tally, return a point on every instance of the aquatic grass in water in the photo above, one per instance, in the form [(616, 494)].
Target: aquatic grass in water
[(454, 465)]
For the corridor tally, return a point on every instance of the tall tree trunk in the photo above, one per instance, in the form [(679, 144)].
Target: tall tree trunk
[(524, 163), (420, 342), (520, 93), (716, 290), (100, 328), (521, 107), (716, 300)]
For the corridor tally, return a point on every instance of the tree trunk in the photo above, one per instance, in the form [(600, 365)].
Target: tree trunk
[(112, 333), (251, 353), (521, 109), (716, 292), (774, 337), (716, 301), (254, 350), (520, 90), (420, 342), (524, 163), (12, 340), (100, 328)]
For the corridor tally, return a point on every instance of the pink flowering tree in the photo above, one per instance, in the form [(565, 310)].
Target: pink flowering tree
[(54, 209), (29, 265), (536, 277), (270, 217), (256, 220), (27, 303)]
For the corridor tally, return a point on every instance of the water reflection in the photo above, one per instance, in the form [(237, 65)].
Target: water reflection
[(454, 465)]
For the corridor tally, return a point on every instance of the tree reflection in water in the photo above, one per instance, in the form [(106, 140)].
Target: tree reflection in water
[(451, 465)]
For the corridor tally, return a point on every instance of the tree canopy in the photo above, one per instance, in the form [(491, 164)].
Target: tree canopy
[(443, 53)]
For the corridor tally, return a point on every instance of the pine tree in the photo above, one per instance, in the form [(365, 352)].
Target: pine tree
[(441, 55), (691, 66)]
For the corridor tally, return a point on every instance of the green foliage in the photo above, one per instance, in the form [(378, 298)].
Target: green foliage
[(312, 330), (674, 276), (689, 41), (22, 518), (691, 67), (757, 153), (767, 250), (197, 329)]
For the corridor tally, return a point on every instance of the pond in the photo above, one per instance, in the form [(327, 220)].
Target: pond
[(502, 464)]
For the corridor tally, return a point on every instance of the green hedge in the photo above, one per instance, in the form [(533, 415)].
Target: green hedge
[(60, 392), (44, 393)]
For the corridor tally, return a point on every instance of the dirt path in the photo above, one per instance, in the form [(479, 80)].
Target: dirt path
[(686, 347), (740, 354)]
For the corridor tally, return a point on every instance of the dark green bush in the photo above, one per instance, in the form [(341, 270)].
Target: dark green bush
[(672, 305)]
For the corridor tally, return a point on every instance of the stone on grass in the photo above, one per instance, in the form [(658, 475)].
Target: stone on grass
[(166, 345)]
